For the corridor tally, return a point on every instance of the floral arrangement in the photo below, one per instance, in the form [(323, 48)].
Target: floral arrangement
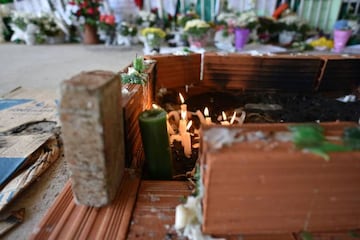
[(107, 23), (196, 27), (86, 11), (48, 25), (153, 37), (22, 19), (135, 74), (126, 29), (145, 18), (25, 28)]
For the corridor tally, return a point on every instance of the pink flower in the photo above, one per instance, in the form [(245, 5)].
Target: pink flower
[(90, 11), (103, 18), (110, 19)]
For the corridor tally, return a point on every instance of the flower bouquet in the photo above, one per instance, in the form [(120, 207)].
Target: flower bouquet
[(107, 28), (49, 28), (145, 19), (126, 34), (197, 31), (24, 27), (152, 39), (87, 15), (86, 11)]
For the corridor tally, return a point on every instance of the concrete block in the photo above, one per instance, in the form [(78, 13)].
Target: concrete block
[(92, 129)]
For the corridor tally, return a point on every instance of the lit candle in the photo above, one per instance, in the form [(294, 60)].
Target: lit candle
[(183, 106), (186, 141), (224, 122), (156, 143), (207, 118), (233, 118)]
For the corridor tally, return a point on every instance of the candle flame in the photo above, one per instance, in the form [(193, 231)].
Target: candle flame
[(183, 115), (155, 106), (188, 126), (181, 98), (233, 118), (206, 112), (223, 115)]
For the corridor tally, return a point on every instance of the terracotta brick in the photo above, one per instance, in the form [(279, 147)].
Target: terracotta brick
[(92, 126), (271, 73), (176, 71), (263, 187)]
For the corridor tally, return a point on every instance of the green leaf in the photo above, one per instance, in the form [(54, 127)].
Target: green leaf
[(306, 236), (138, 64), (307, 135), (351, 137), (354, 234)]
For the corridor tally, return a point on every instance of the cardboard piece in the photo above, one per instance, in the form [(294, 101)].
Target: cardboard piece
[(25, 151)]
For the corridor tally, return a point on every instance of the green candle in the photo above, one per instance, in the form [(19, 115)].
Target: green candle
[(156, 143)]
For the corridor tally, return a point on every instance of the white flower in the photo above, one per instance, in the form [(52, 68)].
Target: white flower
[(196, 23)]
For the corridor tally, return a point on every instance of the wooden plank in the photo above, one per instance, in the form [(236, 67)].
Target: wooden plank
[(66, 220)]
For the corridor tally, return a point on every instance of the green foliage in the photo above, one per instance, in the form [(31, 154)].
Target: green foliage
[(306, 236), (351, 137), (311, 138), (354, 234), (135, 74)]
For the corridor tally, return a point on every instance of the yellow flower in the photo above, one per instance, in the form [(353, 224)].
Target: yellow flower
[(322, 42), (156, 31)]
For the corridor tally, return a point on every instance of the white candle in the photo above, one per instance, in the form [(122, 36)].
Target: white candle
[(186, 141), (207, 118), (224, 122), (183, 107), (233, 118), (182, 126)]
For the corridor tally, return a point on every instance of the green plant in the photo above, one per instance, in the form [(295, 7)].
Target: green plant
[(311, 138), (135, 74)]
